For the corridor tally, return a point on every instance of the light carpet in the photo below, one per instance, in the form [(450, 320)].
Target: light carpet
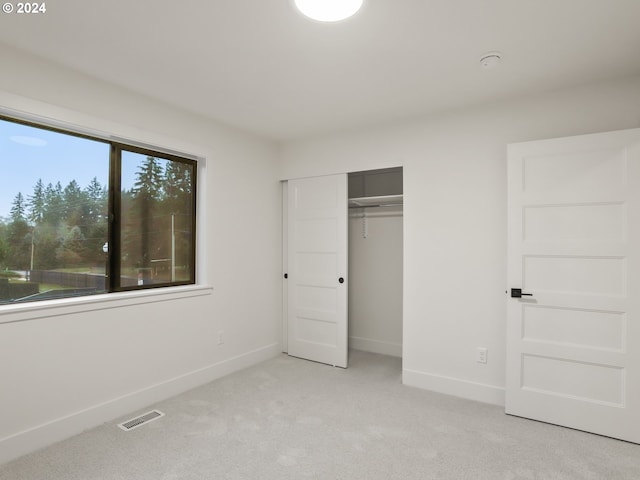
[(292, 419)]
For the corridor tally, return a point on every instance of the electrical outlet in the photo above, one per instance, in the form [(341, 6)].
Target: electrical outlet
[(220, 337), (481, 355)]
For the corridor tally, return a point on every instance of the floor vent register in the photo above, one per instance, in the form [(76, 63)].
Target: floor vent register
[(140, 420)]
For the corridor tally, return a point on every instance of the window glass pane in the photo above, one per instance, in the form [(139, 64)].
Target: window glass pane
[(157, 222), (53, 214)]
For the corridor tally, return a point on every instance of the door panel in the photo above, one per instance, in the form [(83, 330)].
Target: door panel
[(317, 259), (573, 347)]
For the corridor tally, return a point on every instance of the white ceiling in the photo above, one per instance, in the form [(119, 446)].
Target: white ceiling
[(261, 66)]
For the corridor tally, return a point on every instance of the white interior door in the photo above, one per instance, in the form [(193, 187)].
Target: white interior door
[(573, 346), (317, 264)]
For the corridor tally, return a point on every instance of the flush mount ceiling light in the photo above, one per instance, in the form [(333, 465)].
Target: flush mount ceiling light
[(328, 10)]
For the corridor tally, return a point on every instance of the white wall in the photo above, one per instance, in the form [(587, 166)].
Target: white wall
[(65, 369), (375, 282), (455, 218)]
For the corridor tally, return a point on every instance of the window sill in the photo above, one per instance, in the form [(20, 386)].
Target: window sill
[(53, 308)]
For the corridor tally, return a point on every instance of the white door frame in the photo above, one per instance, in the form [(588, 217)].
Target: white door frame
[(285, 265)]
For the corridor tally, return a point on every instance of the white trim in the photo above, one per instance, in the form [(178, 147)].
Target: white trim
[(376, 346), (66, 306), (457, 387), (40, 436), (285, 265)]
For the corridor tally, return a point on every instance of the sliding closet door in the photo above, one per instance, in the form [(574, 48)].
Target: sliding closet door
[(317, 269)]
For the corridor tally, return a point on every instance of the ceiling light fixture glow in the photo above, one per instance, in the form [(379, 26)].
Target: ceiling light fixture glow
[(328, 10)]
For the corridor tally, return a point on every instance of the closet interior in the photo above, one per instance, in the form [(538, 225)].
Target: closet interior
[(375, 260)]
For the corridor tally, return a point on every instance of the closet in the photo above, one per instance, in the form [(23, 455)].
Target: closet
[(375, 261), (342, 265)]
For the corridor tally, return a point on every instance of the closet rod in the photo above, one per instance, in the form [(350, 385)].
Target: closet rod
[(381, 205), (387, 214)]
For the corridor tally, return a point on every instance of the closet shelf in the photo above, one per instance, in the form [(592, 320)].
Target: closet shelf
[(378, 201)]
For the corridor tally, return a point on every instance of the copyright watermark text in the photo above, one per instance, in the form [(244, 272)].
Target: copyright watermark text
[(24, 8)]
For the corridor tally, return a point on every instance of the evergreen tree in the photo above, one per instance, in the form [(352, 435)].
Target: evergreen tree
[(95, 229), (141, 242), (18, 244), (55, 204), (18, 208), (149, 180), (58, 227), (37, 203), (96, 196), (73, 203), (177, 178), (4, 246)]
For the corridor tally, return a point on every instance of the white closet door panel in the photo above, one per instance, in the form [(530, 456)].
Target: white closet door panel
[(317, 262)]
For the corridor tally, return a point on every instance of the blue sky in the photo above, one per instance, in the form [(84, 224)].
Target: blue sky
[(28, 153)]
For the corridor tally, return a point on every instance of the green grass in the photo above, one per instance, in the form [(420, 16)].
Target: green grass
[(9, 274), (80, 270)]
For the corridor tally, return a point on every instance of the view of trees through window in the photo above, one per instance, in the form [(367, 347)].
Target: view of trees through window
[(157, 217), (56, 238)]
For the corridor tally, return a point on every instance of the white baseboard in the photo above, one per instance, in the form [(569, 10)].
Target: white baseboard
[(454, 386), (375, 346), (59, 429)]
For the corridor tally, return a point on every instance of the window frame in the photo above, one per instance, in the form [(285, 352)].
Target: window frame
[(115, 227), (116, 147)]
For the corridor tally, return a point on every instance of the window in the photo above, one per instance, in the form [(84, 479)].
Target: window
[(82, 215)]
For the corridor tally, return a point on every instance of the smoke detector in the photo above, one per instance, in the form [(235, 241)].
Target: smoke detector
[(490, 60)]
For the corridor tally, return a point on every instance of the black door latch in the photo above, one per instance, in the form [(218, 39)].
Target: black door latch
[(517, 293)]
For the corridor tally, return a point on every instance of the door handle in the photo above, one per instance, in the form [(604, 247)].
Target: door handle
[(517, 293), (341, 280)]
